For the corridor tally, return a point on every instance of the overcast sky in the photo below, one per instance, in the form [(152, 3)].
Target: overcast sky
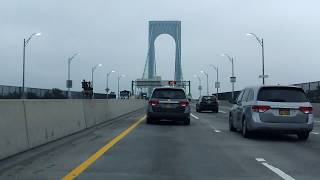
[(115, 33)]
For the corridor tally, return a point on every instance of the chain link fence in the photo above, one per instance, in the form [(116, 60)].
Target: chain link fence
[(14, 92), (312, 89)]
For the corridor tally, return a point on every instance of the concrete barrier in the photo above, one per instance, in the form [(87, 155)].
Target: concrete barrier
[(13, 133), (26, 124), (49, 120), (98, 111)]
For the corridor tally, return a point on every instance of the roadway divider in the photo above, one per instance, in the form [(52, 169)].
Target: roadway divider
[(13, 132), (25, 124)]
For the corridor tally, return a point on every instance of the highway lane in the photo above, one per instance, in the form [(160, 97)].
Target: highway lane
[(204, 150)]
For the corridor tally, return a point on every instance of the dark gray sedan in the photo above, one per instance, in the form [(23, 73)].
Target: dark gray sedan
[(170, 104)]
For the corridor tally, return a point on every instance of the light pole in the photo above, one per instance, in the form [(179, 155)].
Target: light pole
[(25, 43), (217, 84), (260, 41), (199, 87), (207, 75), (92, 71), (107, 87), (119, 77), (69, 82), (232, 78)]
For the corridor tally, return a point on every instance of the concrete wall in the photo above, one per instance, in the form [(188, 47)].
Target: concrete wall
[(13, 132), (30, 123)]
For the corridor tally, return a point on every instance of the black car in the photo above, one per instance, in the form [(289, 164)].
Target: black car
[(207, 103)]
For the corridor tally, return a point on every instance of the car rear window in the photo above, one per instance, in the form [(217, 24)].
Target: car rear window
[(282, 94), (208, 98), (169, 94)]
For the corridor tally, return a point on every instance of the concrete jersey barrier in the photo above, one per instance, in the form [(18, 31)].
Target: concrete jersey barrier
[(26, 124)]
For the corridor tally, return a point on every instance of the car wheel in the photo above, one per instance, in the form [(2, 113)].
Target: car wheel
[(216, 111), (187, 121), (231, 127), (303, 136), (149, 120), (244, 130)]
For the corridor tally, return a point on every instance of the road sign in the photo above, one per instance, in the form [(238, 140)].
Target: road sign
[(107, 89), (233, 79), (148, 83), (265, 76), (200, 88), (69, 83), (217, 85)]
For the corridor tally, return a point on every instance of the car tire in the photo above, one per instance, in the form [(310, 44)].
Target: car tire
[(231, 127), (149, 120), (187, 121), (216, 111), (244, 130), (303, 136)]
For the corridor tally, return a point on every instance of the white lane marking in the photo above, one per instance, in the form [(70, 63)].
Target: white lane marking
[(194, 116), (223, 112), (315, 133), (260, 160), (280, 173), (217, 131)]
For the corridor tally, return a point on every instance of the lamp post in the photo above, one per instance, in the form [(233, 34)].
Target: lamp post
[(69, 82), (232, 78), (199, 87), (260, 41), (107, 87), (217, 83), (207, 75), (25, 43), (92, 72), (119, 77)]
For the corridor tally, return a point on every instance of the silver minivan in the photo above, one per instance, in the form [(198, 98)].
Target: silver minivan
[(279, 109)]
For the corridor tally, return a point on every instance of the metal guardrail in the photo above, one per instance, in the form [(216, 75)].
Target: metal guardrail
[(14, 92)]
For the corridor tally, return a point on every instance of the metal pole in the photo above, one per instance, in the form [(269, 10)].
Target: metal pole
[(92, 82), (263, 76), (217, 82), (107, 89), (118, 87), (69, 62), (207, 84), (232, 76), (23, 69)]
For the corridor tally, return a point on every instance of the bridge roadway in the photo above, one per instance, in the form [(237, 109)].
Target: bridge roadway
[(204, 150)]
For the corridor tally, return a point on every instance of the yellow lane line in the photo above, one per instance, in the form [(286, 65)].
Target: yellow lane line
[(83, 166)]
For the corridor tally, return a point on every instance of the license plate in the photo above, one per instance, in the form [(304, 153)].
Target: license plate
[(284, 112), (169, 106)]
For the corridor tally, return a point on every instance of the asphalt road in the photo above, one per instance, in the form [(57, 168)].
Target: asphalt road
[(204, 150)]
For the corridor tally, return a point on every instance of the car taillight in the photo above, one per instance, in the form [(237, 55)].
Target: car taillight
[(260, 108), (184, 103), (306, 110), (153, 102)]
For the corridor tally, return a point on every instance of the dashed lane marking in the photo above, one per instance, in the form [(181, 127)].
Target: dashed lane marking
[(194, 116), (315, 133), (276, 170), (222, 112)]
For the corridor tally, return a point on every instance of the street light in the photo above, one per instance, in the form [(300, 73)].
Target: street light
[(260, 41), (207, 75), (107, 87), (119, 77), (92, 71), (217, 84), (25, 43), (69, 82), (232, 78), (199, 87)]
